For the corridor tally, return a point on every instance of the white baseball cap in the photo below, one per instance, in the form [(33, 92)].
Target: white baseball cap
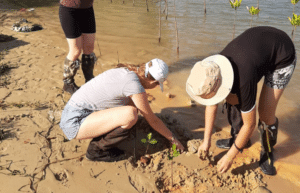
[(159, 71), (210, 80)]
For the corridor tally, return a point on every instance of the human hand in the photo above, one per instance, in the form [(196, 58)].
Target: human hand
[(179, 146), (224, 164), (203, 150)]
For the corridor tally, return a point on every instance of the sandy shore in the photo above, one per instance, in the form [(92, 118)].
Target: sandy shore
[(36, 157)]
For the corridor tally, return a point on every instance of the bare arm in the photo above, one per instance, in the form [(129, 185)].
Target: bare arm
[(210, 116), (244, 135), (141, 102)]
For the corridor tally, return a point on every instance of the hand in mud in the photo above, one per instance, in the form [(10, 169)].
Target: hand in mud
[(179, 146), (203, 150), (224, 164)]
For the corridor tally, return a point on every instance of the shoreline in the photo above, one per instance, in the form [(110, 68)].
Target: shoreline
[(35, 98)]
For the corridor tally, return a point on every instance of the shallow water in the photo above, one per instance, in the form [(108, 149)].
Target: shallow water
[(127, 33)]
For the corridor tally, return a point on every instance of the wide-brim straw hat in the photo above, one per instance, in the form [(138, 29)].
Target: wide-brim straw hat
[(212, 73)]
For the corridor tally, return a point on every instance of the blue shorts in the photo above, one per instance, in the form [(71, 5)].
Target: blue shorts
[(71, 120)]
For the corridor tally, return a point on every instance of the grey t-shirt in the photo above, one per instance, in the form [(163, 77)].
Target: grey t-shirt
[(110, 89)]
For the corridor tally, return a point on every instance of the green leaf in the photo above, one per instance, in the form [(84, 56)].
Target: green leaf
[(149, 136), (294, 1), (174, 147), (295, 21), (153, 141), (231, 3), (144, 140), (176, 153), (253, 10), (235, 4)]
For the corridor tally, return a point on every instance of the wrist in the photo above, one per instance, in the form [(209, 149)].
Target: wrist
[(172, 138), (229, 158), (206, 140)]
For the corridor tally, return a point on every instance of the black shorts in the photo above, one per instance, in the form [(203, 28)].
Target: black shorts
[(75, 22)]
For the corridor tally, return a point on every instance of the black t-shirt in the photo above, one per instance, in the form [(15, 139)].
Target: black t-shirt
[(253, 53)]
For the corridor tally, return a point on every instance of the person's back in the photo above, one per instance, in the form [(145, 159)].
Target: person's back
[(261, 47), (107, 90)]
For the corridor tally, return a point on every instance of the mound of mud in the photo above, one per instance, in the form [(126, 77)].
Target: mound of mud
[(188, 173)]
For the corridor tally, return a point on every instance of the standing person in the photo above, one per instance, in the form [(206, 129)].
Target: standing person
[(233, 75), (106, 108), (77, 19)]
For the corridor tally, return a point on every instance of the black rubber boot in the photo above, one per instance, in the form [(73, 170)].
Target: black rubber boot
[(103, 148), (70, 69), (234, 117), (268, 136), (88, 63)]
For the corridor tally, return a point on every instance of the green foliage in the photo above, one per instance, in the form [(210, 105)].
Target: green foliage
[(294, 2), (149, 139), (295, 20), (235, 4), (175, 153), (253, 10)]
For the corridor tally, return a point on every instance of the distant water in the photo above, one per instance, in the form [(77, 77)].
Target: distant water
[(199, 35)]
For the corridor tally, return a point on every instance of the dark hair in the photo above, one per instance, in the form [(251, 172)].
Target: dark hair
[(139, 69)]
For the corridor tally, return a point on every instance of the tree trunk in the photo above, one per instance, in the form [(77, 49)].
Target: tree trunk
[(177, 43), (159, 22), (234, 25), (147, 5), (204, 6)]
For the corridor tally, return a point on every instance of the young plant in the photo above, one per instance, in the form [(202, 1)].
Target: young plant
[(149, 141), (253, 11), (294, 2), (295, 21), (174, 153), (176, 30), (235, 4), (204, 7)]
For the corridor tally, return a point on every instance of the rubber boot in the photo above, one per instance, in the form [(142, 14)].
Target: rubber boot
[(103, 148), (268, 136), (88, 62), (234, 117), (70, 69)]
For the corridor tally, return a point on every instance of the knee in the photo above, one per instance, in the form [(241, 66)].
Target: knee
[(131, 117)]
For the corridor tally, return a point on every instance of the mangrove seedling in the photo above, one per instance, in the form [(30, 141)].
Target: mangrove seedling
[(294, 2), (175, 153), (295, 21), (253, 11), (235, 4), (204, 7), (172, 154), (149, 141), (176, 29)]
